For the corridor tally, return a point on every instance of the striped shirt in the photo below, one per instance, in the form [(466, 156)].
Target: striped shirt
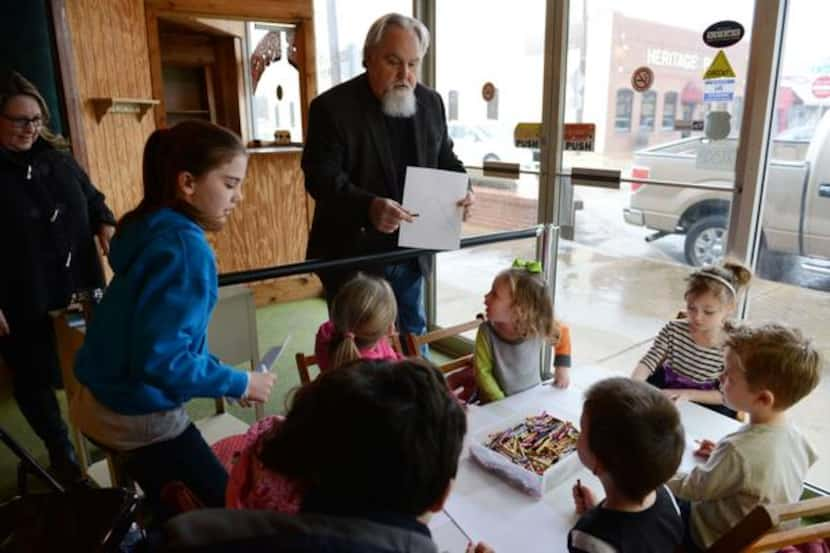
[(674, 346)]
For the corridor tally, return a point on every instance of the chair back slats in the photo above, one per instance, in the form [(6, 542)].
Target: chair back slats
[(805, 508), (756, 523), (303, 363), (459, 372), (456, 364), (757, 531), (782, 538), (415, 342)]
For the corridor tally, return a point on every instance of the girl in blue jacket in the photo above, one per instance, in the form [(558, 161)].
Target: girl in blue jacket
[(145, 352)]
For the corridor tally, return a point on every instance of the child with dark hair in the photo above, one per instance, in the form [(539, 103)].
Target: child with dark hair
[(631, 437), (145, 353), (769, 369), (374, 446)]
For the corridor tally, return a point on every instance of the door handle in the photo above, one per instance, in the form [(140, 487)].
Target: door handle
[(824, 190)]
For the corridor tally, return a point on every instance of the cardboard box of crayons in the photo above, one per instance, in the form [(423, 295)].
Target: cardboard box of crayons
[(536, 453)]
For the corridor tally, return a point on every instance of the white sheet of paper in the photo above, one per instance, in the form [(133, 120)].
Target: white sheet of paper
[(433, 194)]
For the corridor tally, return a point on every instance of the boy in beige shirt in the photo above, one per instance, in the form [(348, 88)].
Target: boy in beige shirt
[(768, 369)]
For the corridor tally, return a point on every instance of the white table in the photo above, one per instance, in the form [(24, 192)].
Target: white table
[(484, 507)]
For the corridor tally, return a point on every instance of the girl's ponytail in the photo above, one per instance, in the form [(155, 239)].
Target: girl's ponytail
[(363, 311), (152, 168), (343, 349), (740, 274)]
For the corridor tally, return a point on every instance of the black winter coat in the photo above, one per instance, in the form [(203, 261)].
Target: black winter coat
[(49, 213)]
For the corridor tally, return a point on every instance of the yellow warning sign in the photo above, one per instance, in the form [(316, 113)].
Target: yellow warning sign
[(720, 68), (527, 135)]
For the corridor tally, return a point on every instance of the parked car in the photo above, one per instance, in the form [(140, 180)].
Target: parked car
[(796, 218), (475, 143)]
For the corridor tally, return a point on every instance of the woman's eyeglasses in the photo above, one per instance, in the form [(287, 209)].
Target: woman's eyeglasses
[(22, 122)]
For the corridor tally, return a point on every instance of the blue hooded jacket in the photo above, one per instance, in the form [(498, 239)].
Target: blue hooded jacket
[(145, 349)]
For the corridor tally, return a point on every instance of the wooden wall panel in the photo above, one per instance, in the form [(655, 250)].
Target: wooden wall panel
[(111, 60), (240, 9), (273, 200)]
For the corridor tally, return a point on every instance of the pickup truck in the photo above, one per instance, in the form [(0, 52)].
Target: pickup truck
[(796, 216)]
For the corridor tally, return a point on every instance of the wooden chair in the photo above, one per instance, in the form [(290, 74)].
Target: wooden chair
[(758, 531), (414, 342), (459, 372), (304, 362), (70, 330)]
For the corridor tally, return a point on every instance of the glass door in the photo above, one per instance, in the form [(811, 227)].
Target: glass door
[(489, 72), (794, 226), (635, 71)]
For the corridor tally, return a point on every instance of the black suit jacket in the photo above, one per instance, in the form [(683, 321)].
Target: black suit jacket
[(347, 162)]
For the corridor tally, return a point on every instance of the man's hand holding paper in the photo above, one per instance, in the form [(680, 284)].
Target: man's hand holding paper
[(434, 195)]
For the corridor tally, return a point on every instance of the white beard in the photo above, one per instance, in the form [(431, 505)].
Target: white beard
[(399, 102)]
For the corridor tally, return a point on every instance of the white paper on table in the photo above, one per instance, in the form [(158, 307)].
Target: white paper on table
[(433, 194)]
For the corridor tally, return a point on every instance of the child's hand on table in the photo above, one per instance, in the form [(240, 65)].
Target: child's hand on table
[(584, 499), (676, 395)]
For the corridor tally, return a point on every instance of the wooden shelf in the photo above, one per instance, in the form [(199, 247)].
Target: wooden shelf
[(138, 106), (188, 112)]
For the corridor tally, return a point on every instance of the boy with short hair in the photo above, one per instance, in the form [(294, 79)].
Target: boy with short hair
[(632, 439), (374, 448), (769, 369)]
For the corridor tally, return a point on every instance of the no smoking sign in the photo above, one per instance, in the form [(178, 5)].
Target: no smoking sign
[(642, 79)]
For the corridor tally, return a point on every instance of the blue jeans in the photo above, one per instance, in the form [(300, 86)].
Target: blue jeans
[(408, 285), (186, 458)]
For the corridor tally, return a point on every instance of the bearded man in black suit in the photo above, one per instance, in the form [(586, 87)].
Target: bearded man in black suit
[(362, 135)]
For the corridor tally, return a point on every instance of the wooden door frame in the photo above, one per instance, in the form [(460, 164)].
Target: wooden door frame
[(296, 12), (69, 85)]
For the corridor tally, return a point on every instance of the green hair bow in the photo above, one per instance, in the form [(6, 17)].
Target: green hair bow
[(529, 265)]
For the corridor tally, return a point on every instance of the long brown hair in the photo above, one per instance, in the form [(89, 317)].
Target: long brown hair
[(14, 84), (193, 146)]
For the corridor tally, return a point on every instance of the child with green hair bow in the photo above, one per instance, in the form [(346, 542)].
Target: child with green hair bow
[(519, 322)]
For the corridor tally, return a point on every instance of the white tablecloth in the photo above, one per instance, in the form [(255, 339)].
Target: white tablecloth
[(484, 507)]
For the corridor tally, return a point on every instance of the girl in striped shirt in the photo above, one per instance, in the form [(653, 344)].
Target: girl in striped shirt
[(686, 358)]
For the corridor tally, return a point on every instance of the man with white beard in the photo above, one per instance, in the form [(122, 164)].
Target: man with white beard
[(362, 134)]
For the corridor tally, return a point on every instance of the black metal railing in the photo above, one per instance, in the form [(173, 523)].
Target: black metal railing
[(314, 265)]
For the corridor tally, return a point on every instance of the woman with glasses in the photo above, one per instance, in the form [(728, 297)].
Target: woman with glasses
[(49, 214)]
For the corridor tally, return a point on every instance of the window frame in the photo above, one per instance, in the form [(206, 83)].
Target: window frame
[(628, 98)]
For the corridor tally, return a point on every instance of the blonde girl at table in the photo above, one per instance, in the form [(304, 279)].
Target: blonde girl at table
[(520, 321), (686, 358), (362, 317)]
